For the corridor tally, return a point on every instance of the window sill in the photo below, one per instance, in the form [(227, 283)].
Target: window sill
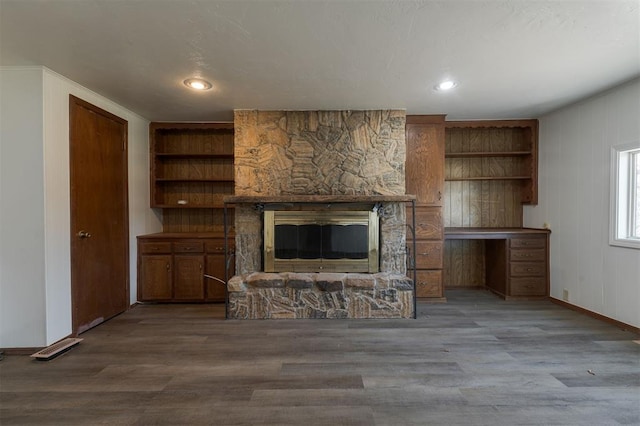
[(626, 243)]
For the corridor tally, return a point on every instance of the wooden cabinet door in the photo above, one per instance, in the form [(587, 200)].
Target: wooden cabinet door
[(155, 277), (424, 167), (429, 283), (215, 268), (429, 254), (429, 223), (189, 277)]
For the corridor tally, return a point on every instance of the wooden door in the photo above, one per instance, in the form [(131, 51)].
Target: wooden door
[(424, 167), (155, 278), (189, 277), (99, 214), (215, 268)]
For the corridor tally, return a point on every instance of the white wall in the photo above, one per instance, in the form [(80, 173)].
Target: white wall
[(574, 170), (54, 212), (22, 294)]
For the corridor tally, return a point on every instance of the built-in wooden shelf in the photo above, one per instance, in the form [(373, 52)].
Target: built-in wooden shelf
[(193, 155), (488, 178), (464, 233), (191, 165), (487, 154), (193, 180), (494, 150), (248, 199), (192, 206)]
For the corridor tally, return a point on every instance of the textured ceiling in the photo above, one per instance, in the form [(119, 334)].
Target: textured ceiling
[(512, 59)]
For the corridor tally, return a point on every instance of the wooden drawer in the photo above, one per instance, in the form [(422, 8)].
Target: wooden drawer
[(188, 247), (429, 223), (428, 254), (217, 246), (528, 286), (155, 247), (527, 269), (530, 255), (527, 242), (428, 284)]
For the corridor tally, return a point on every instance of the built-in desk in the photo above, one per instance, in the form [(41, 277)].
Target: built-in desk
[(516, 259)]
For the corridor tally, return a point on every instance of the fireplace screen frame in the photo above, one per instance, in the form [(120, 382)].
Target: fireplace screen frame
[(370, 218)]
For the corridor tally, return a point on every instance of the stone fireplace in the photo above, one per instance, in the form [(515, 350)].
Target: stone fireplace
[(301, 179)]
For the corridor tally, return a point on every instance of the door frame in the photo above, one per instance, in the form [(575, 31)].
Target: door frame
[(75, 102)]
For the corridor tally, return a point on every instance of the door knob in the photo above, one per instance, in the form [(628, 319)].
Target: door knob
[(83, 234)]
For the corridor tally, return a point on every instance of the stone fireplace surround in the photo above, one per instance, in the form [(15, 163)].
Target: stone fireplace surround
[(294, 158)]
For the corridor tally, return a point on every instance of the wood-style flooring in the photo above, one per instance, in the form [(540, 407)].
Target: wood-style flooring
[(476, 360)]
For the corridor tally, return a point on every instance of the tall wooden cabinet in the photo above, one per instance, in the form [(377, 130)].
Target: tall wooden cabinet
[(424, 171), (191, 170)]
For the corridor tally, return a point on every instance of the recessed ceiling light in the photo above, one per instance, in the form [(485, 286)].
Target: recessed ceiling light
[(445, 85), (197, 84)]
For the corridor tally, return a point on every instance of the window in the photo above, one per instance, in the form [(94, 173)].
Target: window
[(625, 196)]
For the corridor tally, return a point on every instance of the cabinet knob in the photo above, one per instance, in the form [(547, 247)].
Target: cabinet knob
[(168, 266)]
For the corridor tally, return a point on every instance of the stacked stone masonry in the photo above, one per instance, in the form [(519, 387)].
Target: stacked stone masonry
[(303, 153), (319, 152), (319, 295)]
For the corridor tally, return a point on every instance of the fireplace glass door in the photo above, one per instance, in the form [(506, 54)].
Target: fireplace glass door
[(314, 241)]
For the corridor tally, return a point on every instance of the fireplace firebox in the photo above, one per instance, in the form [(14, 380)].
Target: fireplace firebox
[(321, 241)]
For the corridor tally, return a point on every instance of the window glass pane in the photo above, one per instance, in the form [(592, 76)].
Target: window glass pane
[(625, 196)]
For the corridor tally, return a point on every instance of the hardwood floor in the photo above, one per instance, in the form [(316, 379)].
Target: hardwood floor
[(476, 360)]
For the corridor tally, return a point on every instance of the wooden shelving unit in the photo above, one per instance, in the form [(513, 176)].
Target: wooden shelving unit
[(487, 154), (191, 171), (505, 150), (191, 164), (490, 172)]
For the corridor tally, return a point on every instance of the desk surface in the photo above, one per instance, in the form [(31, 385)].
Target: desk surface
[(490, 233)]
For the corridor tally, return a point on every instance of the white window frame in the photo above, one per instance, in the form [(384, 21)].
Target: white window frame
[(624, 216)]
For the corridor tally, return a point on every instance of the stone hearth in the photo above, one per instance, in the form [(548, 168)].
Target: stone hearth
[(320, 295)]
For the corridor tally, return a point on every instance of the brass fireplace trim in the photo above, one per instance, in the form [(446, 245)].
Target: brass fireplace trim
[(321, 217)]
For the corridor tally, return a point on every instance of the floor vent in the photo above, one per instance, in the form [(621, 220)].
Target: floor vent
[(56, 349)]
